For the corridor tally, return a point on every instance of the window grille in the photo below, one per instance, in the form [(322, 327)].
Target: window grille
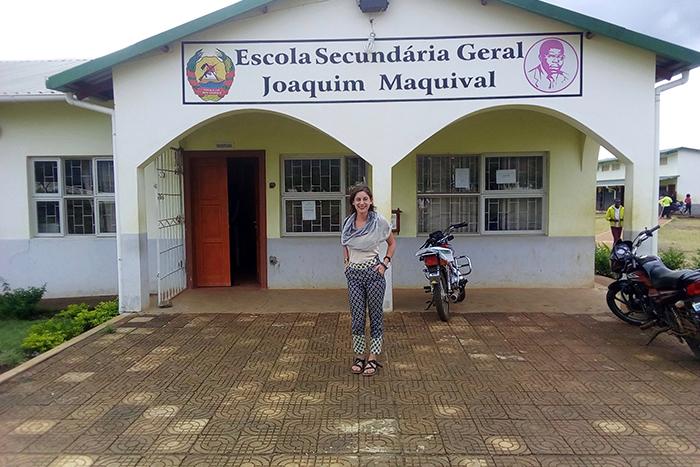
[(314, 197), (449, 190), (66, 201)]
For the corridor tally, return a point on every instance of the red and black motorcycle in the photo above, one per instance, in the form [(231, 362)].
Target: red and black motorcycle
[(648, 294)]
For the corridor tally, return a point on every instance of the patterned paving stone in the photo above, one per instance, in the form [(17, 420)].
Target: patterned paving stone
[(484, 390)]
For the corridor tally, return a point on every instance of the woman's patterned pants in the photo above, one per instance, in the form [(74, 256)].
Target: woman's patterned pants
[(366, 291)]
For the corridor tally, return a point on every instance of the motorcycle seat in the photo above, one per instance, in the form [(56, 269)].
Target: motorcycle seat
[(664, 278)]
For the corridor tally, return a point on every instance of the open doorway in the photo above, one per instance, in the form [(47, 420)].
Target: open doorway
[(243, 222), (225, 205)]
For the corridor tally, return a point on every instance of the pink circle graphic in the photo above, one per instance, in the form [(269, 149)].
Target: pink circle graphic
[(551, 65)]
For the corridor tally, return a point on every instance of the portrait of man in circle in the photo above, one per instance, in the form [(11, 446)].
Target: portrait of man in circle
[(549, 74)]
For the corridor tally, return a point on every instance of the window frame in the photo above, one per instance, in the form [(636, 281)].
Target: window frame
[(62, 197), (341, 195), (484, 194)]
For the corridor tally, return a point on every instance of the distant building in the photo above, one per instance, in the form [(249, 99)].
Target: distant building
[(678, 175)]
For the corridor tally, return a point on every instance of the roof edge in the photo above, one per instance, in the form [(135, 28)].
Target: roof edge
[(597, 26), (688, 58), (678, 149), (60, 81)]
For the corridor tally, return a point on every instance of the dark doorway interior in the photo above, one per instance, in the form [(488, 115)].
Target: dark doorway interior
[(243, 232)]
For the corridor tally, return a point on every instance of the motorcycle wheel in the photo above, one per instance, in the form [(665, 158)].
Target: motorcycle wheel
[(694, 344), (626, 304), (440, 297)]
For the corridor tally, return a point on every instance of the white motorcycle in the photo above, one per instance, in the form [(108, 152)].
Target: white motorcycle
[(447, 278)]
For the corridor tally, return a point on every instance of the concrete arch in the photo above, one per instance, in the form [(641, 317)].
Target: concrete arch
[(188, 132), (578, 125)]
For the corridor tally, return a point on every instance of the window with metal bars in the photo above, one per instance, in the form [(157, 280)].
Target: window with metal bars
[(314, 193), (73, 196), (493, 193)]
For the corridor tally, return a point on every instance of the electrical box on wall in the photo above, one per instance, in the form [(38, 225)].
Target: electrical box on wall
[(373, 6)]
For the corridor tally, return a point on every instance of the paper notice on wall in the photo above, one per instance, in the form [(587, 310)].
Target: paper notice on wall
[(505, 176), (462, 178), (308, 210)]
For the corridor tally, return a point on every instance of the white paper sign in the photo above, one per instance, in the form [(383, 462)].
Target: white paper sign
[(505, 176), (308, 210), (462, 178)]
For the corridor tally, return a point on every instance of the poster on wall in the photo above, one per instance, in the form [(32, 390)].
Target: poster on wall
[(308, 210), (462, 178), (505, 176), (394, 70)]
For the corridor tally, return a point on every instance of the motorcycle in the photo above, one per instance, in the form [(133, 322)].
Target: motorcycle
[(648, 294), (447, 278)]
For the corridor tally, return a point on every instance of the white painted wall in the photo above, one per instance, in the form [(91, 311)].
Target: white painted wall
[(70, 266), (689, 175)]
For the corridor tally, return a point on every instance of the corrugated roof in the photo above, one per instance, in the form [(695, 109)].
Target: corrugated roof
[(28, 78), (680, 148), (94, 78)]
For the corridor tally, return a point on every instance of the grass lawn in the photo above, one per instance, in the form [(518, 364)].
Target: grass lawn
[(12, 332), (601, 225), (682, 233)]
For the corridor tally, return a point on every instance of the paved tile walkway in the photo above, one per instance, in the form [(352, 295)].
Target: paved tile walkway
[(487, 389)]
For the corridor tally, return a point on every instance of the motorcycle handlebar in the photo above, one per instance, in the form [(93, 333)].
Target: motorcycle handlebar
[(653, 229)]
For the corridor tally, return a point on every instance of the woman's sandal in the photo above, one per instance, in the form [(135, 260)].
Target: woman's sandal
[(371, 368), (358, 363)]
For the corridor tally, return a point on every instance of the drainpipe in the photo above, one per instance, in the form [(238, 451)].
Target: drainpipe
[(657, 148), (72, 100)]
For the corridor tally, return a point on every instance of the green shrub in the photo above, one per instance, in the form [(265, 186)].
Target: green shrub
[(49, 334), (602, 260), (19, 303), (673, 258), (67, 324), (694, 262)]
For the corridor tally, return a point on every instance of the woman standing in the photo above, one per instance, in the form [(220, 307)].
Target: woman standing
[(364, 230)]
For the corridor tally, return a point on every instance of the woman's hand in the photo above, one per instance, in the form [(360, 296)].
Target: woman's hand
[(381, 268)]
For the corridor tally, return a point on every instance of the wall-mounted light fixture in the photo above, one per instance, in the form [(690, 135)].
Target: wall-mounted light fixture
[(373, 6)]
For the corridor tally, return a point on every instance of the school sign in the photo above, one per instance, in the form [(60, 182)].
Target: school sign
[(382, 70)]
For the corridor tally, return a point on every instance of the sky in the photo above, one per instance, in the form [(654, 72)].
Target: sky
[(74, 29)]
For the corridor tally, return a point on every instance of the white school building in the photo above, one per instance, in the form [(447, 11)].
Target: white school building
[(220, 152)]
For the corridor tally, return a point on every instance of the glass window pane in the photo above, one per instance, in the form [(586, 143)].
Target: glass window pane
[(78, 177), (105, 176), (526, 172), (327, 217), (108, 217), (80, 216), (356, 172), (48, 216), (436, 213), (448, 174), (512, 214), (46, 177), (312, 175)]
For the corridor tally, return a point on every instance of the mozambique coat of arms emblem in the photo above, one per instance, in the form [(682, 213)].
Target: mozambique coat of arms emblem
[(211, 77)]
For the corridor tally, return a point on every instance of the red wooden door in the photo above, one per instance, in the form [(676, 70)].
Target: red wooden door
[(210, 222)]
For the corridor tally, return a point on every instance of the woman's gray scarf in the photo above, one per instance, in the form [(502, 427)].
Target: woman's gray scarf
[(375, 231)]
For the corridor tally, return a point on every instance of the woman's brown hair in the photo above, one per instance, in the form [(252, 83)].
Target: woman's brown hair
[(358, 189)]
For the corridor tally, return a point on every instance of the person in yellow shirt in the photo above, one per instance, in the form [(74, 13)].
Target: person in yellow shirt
[(665, 202), (615, 215)]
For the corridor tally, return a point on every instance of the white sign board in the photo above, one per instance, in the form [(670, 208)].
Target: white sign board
[(308, 210), (462, 178), (395, 70), (505, 176)]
